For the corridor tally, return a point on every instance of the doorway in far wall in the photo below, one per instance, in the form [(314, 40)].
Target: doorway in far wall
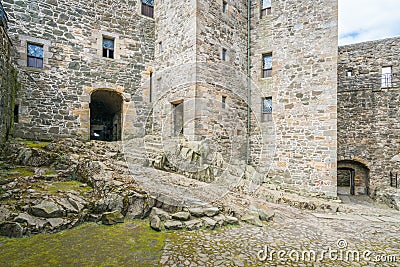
[(105, 116)]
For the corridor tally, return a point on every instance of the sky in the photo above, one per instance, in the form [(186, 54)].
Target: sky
[(365, 20)]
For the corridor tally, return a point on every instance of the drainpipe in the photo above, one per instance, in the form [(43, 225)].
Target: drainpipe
[(248, 83)]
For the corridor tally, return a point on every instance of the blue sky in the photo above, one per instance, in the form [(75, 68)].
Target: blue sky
[(365, 20)]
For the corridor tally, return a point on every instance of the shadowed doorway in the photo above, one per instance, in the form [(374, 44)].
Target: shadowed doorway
[(105, 116), (353, 178)]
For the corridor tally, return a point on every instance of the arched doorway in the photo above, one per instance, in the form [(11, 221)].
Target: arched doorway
[(105, 116), (353, 178)]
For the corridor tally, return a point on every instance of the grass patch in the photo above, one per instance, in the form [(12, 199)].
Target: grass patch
[(50, 172), (129, 244), (35, 144), (66, 186), (20, 172)]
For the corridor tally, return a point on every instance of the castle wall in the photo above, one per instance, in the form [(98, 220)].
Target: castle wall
[(8, 87), (54, 101), (369, 114), (302, 38)]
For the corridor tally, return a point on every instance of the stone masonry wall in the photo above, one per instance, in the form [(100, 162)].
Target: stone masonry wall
[(54, 101), (369, 115), (8, 87), (304, 91)]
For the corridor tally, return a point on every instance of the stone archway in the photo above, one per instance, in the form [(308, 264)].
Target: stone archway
[(105, 115), (353, 178)]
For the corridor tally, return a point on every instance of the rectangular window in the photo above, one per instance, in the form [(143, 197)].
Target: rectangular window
[(266, 66), (178, 118), (349, 73), (223, 102), (160, 48), (35, 56), (386, 77), (16, 114), (151, 88), (224, 6), (148, 8), (266, 109), (108, 48), (265, 8), (223, 55)]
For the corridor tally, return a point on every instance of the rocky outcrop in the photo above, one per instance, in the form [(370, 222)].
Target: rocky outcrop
[(190, 219), (48, 209), (110, 218)]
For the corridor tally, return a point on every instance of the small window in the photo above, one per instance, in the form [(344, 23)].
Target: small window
[(223, 55), (108, 48), (178, 118), (349, 73), (35, 56), (160, 48), (266, 66), (224, 6), (386, 77), (151, 88), (265, 8), (148, 8), (223, 102), (266, 109), (16, 114)]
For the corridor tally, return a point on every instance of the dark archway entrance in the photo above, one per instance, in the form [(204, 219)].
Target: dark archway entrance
[(353, 178), (105, 116)]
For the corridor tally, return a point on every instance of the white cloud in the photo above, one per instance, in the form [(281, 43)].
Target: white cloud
[(365, 20)]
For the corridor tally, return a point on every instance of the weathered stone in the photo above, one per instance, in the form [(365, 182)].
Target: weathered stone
[(232, 220), (266, 215), (11, 229), (36, 222), (181, 216), (47, 209), (110, 203), (77, 202), (112, 217), (197, 212), (155, 222), (66, 204), (212, 211), (173, 225), (55, 223), (209, 223), (193, 224), (4, 214), (220, 219), (163, 215), (253, 218)]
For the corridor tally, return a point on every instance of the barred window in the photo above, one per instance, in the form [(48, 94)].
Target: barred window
[(224, 6), (265, 8), (386, 77), (108, 48), (35, 56), (148, 8), (266, 66), (223, 55), (266, 109)]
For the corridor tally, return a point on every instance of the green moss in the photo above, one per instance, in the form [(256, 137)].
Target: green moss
[(66, 186), (35, 144), (128, 244), (50, 172), (20, 172)]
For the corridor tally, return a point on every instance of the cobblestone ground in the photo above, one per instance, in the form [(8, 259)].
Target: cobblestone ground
[(367, 236)]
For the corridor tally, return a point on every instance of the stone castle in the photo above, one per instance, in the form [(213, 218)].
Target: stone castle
[(259, 83)]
